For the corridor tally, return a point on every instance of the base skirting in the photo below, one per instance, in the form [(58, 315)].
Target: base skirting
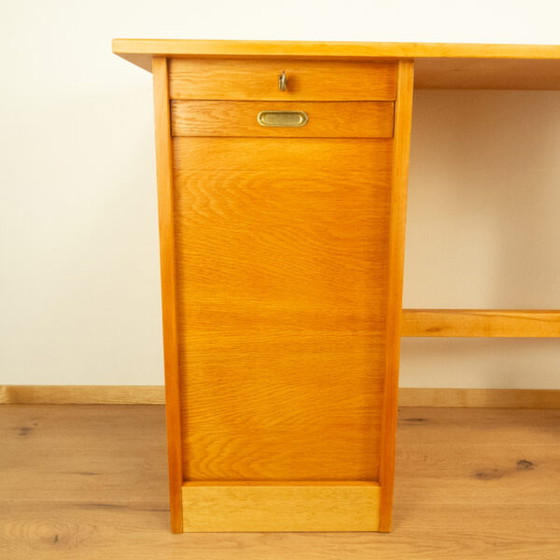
[(154, 394), (480, 398), (82, 394), (280, 506)]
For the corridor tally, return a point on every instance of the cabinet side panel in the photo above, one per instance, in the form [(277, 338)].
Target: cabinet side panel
[(169, 289), (401, 148), (282, 268)]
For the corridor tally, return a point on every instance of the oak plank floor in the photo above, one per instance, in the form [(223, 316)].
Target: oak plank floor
[(89, 482)]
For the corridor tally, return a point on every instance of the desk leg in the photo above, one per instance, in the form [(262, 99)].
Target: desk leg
[(401, 149)]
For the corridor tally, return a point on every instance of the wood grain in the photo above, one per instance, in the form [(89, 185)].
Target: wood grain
[(168, 287), (286, 507), (510, 458), (140, 51), (282, 268), (401, 149), (257, 79), (437, 65), (369, 157), (83, 453), (50, 531), (317, 50), (357, 119), (481, 323), (95, 486)]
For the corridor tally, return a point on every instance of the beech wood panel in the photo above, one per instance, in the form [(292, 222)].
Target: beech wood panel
[(285, 507), (282, 267), (373, 119), (258, 80), (481, 323)]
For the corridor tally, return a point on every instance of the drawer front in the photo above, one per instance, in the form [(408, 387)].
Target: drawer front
[(368, 119), (259, 80)]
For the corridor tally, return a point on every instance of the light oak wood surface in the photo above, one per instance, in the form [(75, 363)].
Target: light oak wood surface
[(327, 80), (317, 50), (438, 65), (368, 158), (282, 274), (481, 323), (89, 482), (243, 507), (373, 119)]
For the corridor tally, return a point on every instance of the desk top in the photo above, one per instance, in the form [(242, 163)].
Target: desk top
[(437, 65)]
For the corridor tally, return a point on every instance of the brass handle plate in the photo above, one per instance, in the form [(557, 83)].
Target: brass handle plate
[(282, 118)]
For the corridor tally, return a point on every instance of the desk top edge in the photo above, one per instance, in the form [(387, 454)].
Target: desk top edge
[(437, 65), (141, 51)]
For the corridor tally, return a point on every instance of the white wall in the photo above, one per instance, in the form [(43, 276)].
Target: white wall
[(483, 231), (79, 286)]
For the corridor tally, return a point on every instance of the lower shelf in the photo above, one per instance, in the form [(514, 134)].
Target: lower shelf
[(277, 506)]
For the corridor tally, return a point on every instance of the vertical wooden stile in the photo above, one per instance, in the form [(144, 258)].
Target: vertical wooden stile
[(401, 149), (168, 288)]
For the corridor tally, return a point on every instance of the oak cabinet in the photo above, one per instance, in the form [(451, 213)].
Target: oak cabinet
[(281, 194)]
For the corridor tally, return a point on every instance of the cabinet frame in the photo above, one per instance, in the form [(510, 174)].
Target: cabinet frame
[(359, 505)]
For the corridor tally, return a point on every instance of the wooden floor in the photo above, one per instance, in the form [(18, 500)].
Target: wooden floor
[(80, 481)]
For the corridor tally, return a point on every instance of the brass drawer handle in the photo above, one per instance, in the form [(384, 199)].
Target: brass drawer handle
[(282, 118)]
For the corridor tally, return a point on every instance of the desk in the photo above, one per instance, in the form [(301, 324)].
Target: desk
[(282, 171)]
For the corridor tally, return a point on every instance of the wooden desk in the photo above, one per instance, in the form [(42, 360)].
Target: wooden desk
[(282, 173)]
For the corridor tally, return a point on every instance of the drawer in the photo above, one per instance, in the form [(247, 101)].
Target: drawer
[(305, 80), (360, 119)]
